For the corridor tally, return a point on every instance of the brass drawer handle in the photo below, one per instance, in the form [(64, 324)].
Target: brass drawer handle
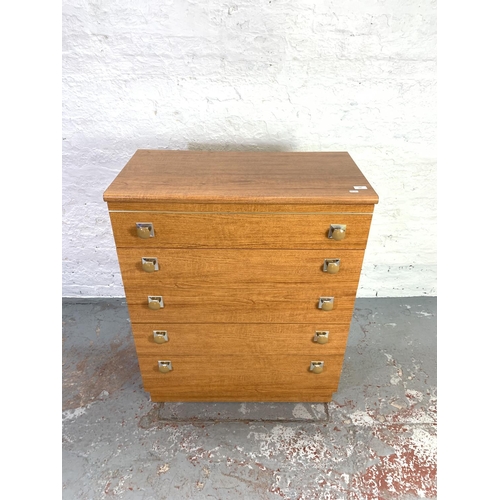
[(331, 266), (155, 302), (337, 232), (145, 230), (317, 366), (325, 303), (165, 366), (160, 336), (321, 337), (149, 264)]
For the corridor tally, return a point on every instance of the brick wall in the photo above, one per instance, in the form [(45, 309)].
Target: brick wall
[(357, 76)]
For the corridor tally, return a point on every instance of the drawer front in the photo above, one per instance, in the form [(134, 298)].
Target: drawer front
[(201, 270), (235, 339), (259, 304), (214, 375), (240, 230)]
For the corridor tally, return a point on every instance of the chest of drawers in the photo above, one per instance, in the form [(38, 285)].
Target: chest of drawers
[(240, 270)]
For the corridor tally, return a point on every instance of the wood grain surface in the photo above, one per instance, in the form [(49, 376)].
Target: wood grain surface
[(269, 208), (274, 304), (241, 177), (215, 375), (235, 339), (257, 231), (234, 269), (245, 394)]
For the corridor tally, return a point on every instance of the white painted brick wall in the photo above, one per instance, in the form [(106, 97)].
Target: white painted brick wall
[(357, 76)]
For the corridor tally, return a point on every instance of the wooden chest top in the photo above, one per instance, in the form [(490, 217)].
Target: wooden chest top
[(241, 177)]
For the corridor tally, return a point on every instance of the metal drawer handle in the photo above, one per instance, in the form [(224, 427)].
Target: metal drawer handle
[(337, 232), (325, 303), (331, 266), (321, 337), (149, 264), (165, 366), (155, 302), (317, 366), (145, 230), (160, 336)]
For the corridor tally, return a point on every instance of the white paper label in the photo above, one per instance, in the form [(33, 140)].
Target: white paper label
[(353, 191), (360, 187)]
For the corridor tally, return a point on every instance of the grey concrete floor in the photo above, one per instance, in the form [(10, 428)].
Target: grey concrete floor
[(376, 439)]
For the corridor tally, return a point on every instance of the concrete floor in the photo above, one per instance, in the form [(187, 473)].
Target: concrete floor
[(375, 440)]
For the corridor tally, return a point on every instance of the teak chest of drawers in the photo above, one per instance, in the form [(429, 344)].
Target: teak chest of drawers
[(240, 270)]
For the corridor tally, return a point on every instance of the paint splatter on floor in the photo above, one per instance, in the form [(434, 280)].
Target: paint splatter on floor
[(376, 440)]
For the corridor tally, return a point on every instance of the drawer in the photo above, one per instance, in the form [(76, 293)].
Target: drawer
[(233, 269), (214, 375), (240, 230), (258, 304), (233, 339)]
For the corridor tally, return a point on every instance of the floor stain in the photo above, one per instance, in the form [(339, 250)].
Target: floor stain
[(105, 370)]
